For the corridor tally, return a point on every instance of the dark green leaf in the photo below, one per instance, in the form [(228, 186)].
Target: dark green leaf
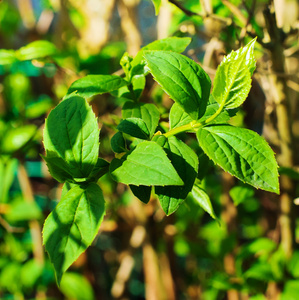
[(131, 91), (135, 127), (146, 111), (147, 165), (58, 168), (71, 133), (100, 169), (182, 78), (232, 81), (91, 85), (185, 162), (142, 192), (118, 143), (242, 153), (36, 50), (73, 225)]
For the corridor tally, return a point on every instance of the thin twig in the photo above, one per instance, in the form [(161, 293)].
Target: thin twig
[(9, 228), (190, 13)]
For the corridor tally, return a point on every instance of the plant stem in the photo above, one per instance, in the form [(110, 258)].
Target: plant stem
[(216, 114), (194, 125), (284, 120), (187, 127)]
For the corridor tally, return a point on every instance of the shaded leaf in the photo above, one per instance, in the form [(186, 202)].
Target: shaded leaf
[(185, 162), (135, 127), (142, 192), (148, 112), (118, 143)]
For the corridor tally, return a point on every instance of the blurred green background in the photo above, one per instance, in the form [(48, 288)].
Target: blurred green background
[(139, 253)]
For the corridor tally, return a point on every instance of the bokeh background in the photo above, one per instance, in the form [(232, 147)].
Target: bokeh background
[(139, 253)]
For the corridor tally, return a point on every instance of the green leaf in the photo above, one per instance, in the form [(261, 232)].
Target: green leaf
[(232, 81), (135, 127), (241, 193), (148, 112), (182, 78), (174, 44), (142, 192), (242, 153), (73, 225), (260, 271), (118, 143), (23, 211), (58, 168), (16, 138), (157, 4), (202, 198), (7, 57), (76, 286), (100, 169), (71, 133), (290, 291), (185, 162), (91, 85), (147, 165), (36, 50), (8, 170)]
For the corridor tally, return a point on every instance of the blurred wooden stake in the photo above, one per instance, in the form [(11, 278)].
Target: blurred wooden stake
[(44, 21), (27, 13), (35, 228), (129, 25)]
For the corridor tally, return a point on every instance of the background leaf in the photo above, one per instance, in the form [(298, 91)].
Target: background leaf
[(157, 4), (36, 50), (91, 85)]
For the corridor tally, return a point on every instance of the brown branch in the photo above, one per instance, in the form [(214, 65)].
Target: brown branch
[(190, 13), (9, 228), (284, 123), (35, 228)]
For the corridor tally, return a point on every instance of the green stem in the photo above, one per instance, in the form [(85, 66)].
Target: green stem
[(194, 125), (215, 115), (180, 129)]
